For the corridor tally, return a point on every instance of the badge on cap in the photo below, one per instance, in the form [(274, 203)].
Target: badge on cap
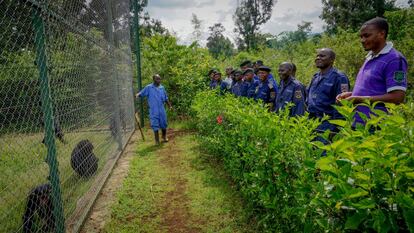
[(399, 76), (298, 94), (344, 87)]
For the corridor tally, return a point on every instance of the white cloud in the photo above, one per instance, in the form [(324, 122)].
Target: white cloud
[(286, 15)]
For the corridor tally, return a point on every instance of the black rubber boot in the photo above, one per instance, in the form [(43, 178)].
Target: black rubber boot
[(157, 138), (164, 135)]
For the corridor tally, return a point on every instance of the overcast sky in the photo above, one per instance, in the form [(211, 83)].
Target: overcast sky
[(176, 15)]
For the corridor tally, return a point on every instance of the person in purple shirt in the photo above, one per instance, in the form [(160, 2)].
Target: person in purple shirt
[(383, 76)]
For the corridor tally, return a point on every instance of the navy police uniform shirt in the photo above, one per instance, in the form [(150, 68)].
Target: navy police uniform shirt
[(322, 93), (291, 91), (249, 88), (266, 91), (237, 88)]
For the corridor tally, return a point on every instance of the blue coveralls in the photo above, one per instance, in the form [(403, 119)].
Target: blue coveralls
[(291, 91), (249, 88), (322, 93), (237, 87), (156, 97), (266, 91)]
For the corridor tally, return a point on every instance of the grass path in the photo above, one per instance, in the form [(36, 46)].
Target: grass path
[(174, 188)]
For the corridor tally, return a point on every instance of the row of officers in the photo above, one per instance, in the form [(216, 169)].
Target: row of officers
[(381, 79), (256, 81)]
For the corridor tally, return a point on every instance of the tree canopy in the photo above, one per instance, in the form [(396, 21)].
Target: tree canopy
[(351, 14), (248, 18)]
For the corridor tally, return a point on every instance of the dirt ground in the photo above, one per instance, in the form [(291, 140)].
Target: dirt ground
[(176, 215)]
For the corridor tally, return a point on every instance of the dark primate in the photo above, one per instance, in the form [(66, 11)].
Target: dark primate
[(58, 132), (38, 216), (83, 161)]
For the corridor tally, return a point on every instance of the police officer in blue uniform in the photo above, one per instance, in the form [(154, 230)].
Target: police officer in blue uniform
[(290, 91), (266, 90), (249, 83), (323, 89), (237, 87)]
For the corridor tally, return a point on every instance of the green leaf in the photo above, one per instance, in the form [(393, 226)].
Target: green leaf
[(353, 222), (409, 218), (341, 123), (410, 175), (367, 203), (379, 221), (362, 176), (355, 193), (326, 164)]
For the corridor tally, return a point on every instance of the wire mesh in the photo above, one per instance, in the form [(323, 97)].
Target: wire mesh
[(88, 68)]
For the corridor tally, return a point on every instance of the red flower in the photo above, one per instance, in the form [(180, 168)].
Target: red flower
[(219, 119)]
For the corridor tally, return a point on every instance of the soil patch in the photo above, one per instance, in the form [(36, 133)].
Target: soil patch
[(176, 216)]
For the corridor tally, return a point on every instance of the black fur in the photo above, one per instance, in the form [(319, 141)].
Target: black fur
[(39, 203), (83, 160), (58, 132)]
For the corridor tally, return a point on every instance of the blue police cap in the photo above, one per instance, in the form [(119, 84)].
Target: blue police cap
[(264, 68), (249, 70)]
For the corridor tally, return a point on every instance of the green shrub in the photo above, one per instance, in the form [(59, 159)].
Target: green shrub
[(364, 183)]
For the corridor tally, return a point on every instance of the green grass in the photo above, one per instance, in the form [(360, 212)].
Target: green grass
[(136, 208), (213, 196), (212, 203), (23, 166)]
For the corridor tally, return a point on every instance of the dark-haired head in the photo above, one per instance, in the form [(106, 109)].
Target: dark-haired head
[(380, 23)]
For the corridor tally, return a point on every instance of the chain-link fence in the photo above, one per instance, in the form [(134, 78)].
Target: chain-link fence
[(66, 107)]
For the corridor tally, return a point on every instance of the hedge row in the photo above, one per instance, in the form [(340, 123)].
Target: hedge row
[(365, 183)]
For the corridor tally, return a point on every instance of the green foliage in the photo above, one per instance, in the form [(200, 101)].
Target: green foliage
[(182, 68), (288, 38), (368, 177), (351, 14), (19, 79), (248, 18), (263, 152), (364, 183), (217, 44)]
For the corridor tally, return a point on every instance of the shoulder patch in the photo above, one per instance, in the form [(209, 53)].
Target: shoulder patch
[(399, 76), (298, 94), (344, 87)]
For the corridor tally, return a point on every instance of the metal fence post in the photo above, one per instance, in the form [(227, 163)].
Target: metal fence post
[(137, 51), (114, 73), (41, 61)]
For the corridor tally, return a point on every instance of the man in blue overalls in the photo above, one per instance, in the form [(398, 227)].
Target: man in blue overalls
[(266, 90), (322, 91), (290, 91), (156, 96), (249, 84)]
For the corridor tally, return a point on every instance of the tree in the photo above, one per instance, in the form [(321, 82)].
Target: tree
[(351, 14), (411, 3), (217, 43), (287, 38), (248, 18), (150, 26), (196, 22)]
